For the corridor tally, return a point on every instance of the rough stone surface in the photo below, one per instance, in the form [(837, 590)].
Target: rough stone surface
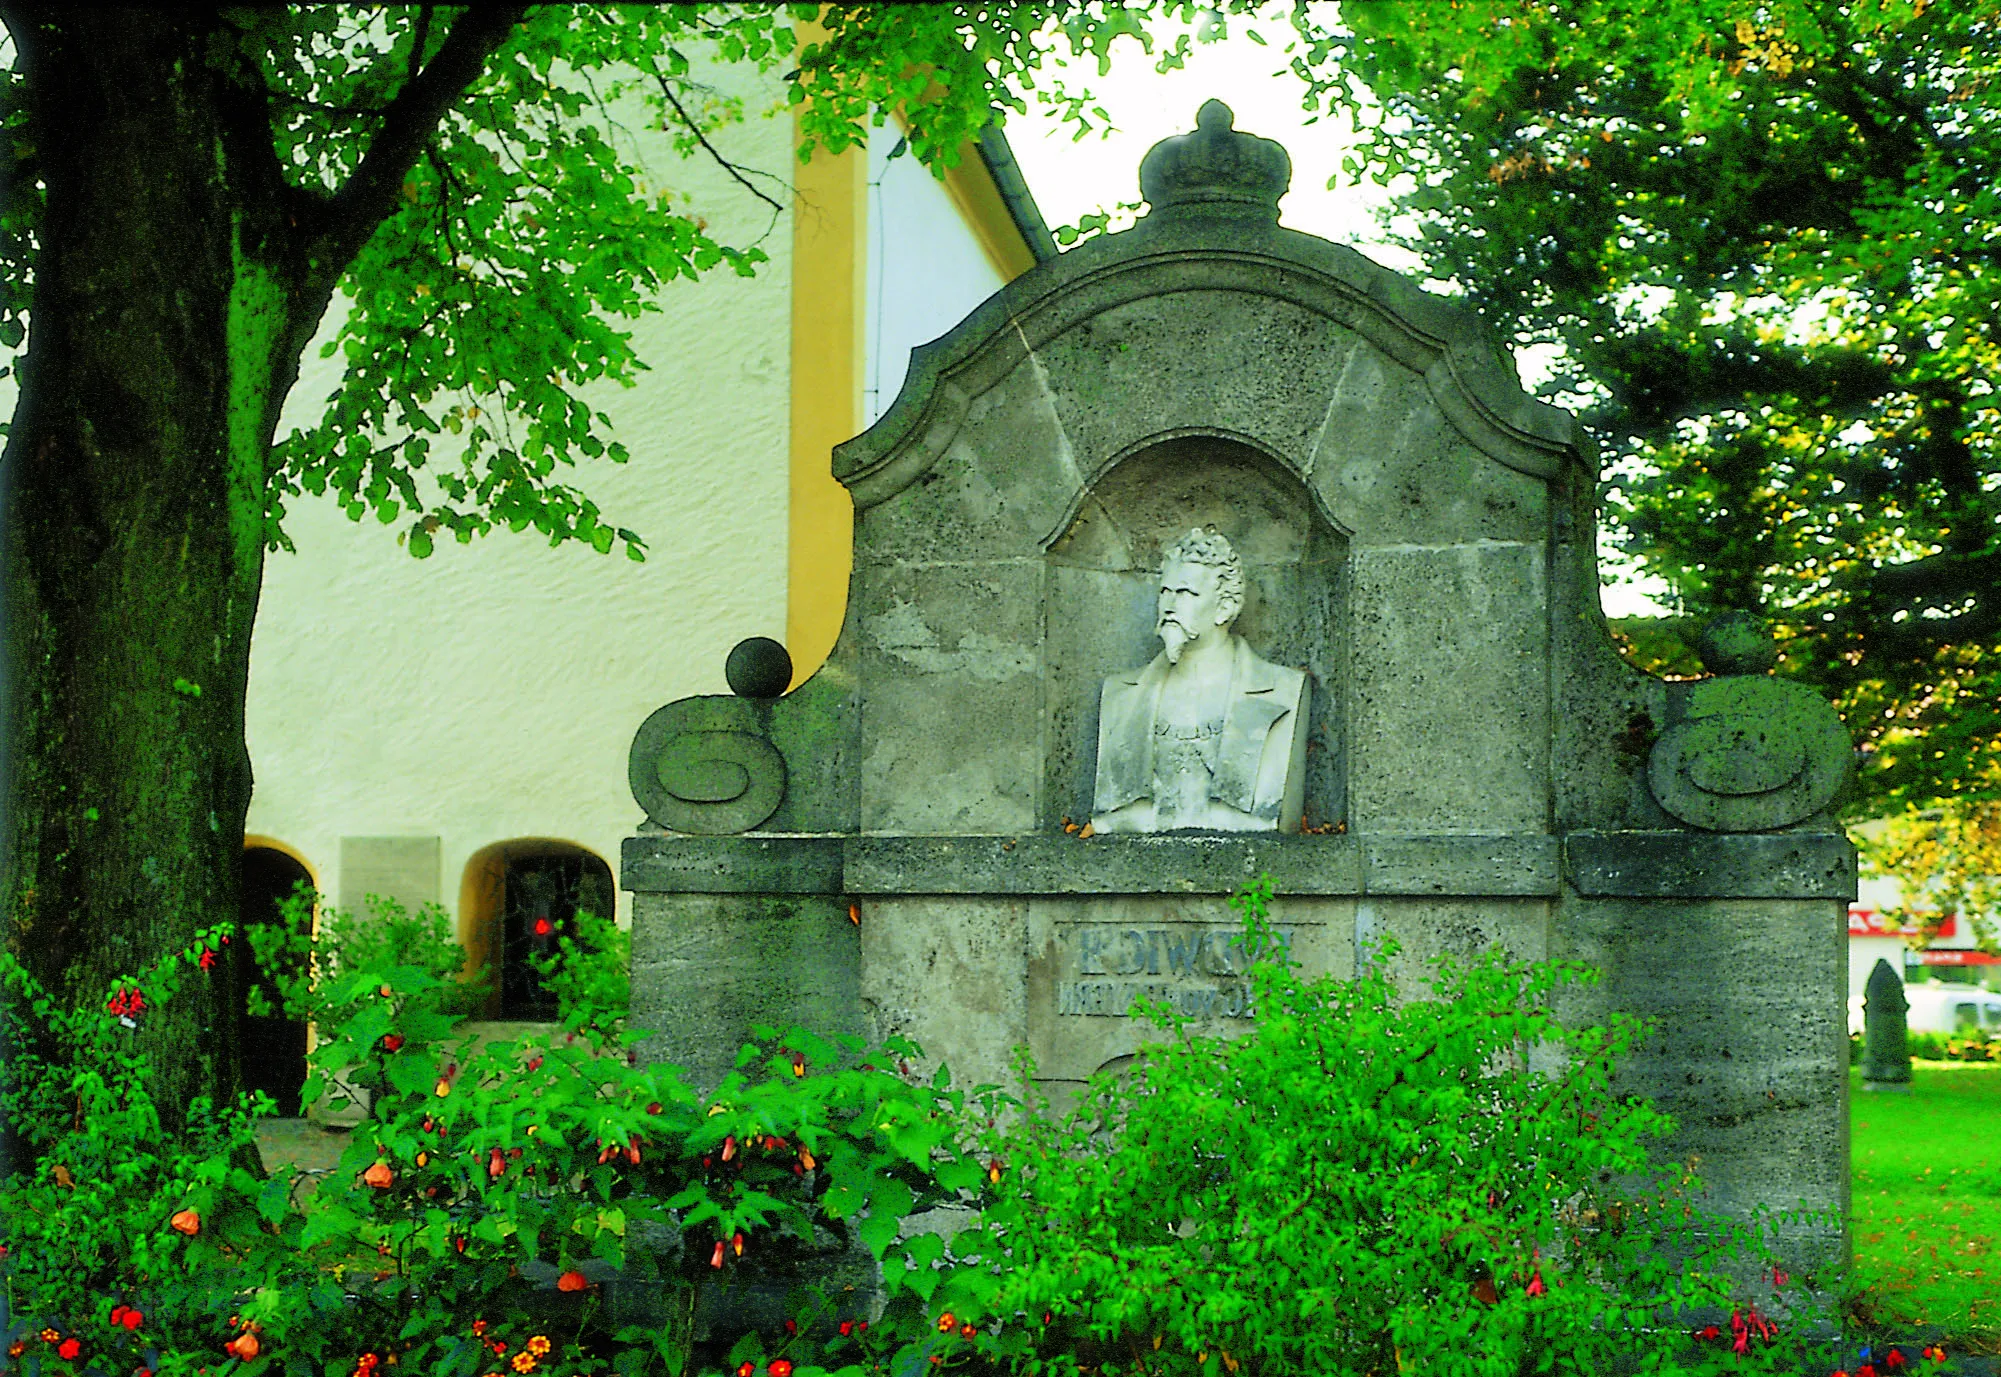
[(1417, 535), (1451, 698), (1749, 1053), (706, 968), (1041, 863), (1786, 865)]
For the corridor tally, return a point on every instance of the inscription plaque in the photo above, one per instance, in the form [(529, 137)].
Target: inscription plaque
[(1198, 970)]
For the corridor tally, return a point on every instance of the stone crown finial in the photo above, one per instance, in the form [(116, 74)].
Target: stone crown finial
[(1215, 170)]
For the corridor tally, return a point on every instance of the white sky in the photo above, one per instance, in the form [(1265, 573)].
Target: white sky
[(1071, 179)]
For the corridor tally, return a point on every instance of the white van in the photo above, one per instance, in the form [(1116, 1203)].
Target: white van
[(1942, 1008)]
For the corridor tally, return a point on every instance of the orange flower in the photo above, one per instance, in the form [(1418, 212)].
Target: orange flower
[(379, 1176), (571, 1281), (716, 1258), (442, 1088), (523, 1362), (539, 1345), (806, 1159), (244, 1345), (186, 1222), (737, 1242), (946, 1321), (966, 1331)]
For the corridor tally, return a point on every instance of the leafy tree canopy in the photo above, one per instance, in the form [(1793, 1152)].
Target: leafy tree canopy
[(526, 232), (1764, 237)]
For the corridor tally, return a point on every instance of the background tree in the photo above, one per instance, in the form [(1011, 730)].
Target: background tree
[(1764, 238), (188, 189)]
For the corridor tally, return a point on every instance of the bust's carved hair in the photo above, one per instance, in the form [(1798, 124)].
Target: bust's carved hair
[(1207, 545)]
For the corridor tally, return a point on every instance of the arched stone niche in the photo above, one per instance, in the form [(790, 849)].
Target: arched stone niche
[(1102, 586)]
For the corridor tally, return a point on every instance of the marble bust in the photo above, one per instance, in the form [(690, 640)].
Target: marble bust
[(1207, 735)]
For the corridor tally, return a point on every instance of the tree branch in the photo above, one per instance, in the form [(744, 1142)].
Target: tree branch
[(368, 197), (667, 91)]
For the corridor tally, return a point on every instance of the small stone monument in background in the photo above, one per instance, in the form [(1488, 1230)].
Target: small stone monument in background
[(1886, 1052)]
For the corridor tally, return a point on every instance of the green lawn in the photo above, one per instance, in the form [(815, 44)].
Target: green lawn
[(1927, 1202)]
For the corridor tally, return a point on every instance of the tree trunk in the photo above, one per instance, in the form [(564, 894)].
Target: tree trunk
[(133, 527), (179, 277)]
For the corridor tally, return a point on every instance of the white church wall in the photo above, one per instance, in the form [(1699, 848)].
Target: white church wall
[(489, 692)]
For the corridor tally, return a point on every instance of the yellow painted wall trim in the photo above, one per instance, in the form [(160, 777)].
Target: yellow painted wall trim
[(829, 363)]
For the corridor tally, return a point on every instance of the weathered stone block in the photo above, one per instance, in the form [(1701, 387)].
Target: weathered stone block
[(1450, 691)]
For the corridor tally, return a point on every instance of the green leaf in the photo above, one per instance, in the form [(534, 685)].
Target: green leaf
[(878, 1230)]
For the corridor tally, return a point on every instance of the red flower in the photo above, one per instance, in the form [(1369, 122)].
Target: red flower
[(792, 1326), (780, 1367), (133, 1319), (534, 1063), (1893, 1359), (1711, 1333), (716, 1258), (207, 959), (847, 1328), (746, 1369), (392, 1042), (1866, 1370), (1535, 1286), (1778, 1275), (543, 927), (118, 1314), (68, 1348), (737, 1242), (571, 1281), (495, 1165)]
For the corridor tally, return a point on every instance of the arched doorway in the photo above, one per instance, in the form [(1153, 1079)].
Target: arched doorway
[(519, 899), (273, 1046)]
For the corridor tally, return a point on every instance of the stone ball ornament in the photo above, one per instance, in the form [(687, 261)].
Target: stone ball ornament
[(703, 766), (1751, 753), (758, 667)]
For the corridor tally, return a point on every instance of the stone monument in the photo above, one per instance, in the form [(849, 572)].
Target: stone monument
[(1886, 1050), (899, 844)]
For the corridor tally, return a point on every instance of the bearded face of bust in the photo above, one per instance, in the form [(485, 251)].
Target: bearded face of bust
[(1193, 605)]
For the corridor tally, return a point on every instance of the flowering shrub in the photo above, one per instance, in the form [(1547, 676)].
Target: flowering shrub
[(478, 1210), (1356, 1185), (1974, 1046)]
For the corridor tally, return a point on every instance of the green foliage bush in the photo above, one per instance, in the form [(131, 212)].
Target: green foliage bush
[(1358, 1185)]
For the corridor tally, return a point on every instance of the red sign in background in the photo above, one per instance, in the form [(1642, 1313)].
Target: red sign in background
[(1866, 922)]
